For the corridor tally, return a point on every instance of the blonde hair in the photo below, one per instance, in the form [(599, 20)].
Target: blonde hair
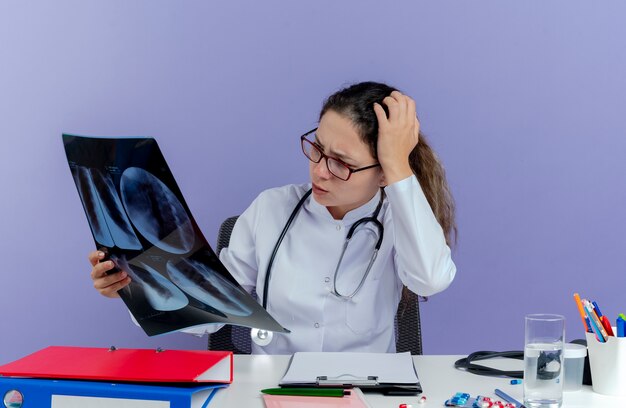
[(432, 177)]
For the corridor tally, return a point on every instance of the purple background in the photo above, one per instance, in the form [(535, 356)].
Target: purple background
[(525, 102)]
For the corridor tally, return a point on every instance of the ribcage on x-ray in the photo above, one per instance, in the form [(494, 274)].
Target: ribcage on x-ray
[(208, 286), (105, 214), (156, 212), (160, 293)]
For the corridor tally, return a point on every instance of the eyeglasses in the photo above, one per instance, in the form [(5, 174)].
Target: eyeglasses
[(335, 166)]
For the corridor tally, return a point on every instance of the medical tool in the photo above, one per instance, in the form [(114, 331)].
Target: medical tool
[(264, 337)]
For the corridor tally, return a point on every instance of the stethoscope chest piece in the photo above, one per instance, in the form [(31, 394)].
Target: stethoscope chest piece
[(261, 337)]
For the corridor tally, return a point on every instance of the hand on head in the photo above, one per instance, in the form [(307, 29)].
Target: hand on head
[(398, 134), (107, 285)]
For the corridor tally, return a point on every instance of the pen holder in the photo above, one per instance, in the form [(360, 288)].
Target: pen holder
[(608, 364)]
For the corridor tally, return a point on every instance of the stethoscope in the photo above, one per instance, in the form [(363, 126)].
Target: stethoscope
[(264, 337)]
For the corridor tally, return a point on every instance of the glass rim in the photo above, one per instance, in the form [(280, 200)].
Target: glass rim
[(544, 317)]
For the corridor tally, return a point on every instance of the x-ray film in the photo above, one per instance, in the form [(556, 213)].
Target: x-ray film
[(137, 213)]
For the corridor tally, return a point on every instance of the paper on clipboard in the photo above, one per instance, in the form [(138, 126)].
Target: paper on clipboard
[(358, 369)]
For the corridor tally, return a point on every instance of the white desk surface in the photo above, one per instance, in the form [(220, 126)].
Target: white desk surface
[(439, 379)]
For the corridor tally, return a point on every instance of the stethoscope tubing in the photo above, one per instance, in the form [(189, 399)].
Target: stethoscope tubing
[(381, 230), (268, 271), (263, 337)]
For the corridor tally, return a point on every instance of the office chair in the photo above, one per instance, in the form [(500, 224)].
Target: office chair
[(237, 338), (233, 338)]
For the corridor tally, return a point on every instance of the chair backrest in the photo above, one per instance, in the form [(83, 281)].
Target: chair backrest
[(408, 326), (232, 338), (237, 339)]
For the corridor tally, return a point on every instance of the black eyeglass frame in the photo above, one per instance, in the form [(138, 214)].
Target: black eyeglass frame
[(323, 155)]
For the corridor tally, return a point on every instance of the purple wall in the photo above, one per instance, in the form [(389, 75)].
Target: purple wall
[(524, 101)]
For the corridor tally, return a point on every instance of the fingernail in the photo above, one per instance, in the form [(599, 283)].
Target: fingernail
[(123, 274), (100, 254), (110, 264)]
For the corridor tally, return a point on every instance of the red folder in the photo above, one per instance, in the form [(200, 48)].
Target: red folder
[(136, 365)]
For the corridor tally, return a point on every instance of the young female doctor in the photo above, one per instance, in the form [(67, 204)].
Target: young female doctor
[(376, 216)]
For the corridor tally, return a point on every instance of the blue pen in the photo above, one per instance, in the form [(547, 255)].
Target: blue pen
[(597, 309), (621, 327), (594, 322), (509, 399)]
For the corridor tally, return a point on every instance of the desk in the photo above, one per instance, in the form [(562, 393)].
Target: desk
[(440, 380)]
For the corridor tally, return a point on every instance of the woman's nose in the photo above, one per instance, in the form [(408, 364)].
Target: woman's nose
[(321, 169)]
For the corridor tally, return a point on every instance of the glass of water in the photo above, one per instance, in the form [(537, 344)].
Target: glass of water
[(543, 361)]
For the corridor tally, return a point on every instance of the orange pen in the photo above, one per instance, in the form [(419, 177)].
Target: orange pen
[(579, 304)]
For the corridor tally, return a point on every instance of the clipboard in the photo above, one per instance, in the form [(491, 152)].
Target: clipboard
[(387, 373)]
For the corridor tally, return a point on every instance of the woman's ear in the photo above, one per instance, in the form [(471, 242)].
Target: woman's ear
[(382, 182)]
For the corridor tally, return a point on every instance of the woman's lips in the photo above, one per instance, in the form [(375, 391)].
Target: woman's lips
[(318, 190)]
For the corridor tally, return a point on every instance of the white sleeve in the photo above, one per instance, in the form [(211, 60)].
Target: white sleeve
[(422, 257)]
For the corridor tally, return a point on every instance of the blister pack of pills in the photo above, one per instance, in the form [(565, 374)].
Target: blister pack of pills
[(463, 399)]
